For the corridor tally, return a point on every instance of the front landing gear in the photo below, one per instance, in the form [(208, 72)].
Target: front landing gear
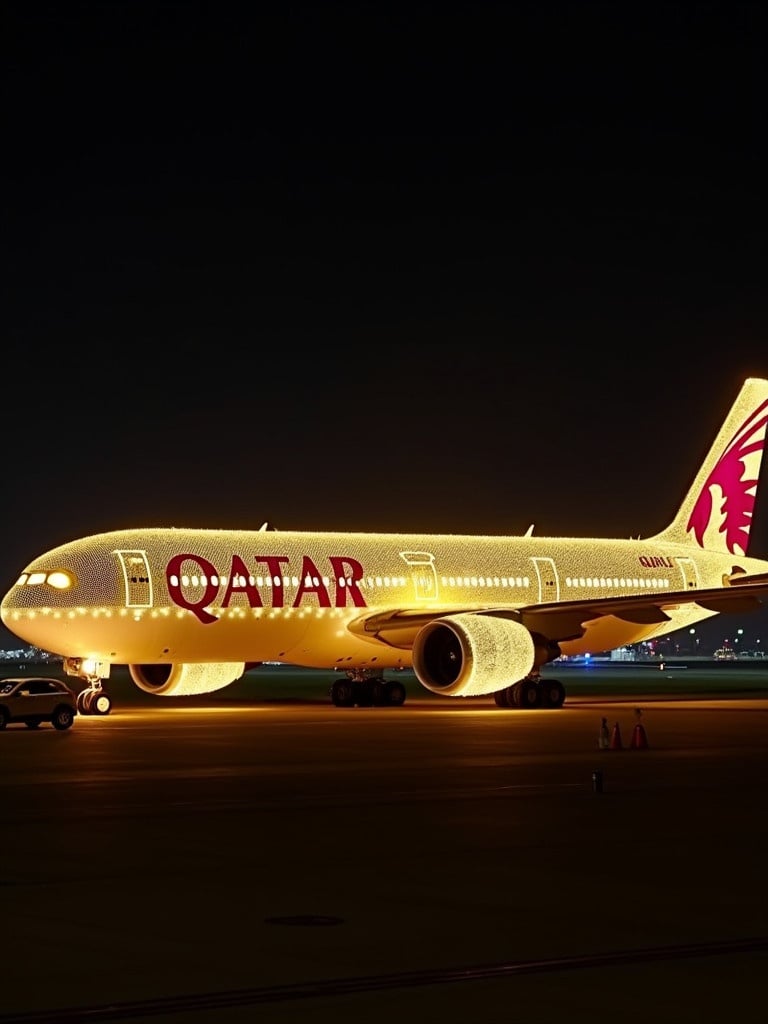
[(94, 699), (532, 692), (367, 691)]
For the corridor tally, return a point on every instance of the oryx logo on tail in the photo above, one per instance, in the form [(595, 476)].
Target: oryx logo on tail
[(732, 483), (717, 510)]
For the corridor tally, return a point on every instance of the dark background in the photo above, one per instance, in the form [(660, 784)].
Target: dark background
[(449, 267)]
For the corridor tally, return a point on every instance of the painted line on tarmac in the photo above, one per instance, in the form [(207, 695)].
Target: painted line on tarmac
[(346, 986)]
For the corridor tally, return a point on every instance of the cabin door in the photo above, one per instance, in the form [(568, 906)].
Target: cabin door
[(138, 582), (688, 572), (549, 585), (423, 574)]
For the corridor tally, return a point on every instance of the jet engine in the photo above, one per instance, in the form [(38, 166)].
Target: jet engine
[(466, 655), (185, 679)]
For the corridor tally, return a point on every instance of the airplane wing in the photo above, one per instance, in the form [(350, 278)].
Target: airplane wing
[(568, 620)]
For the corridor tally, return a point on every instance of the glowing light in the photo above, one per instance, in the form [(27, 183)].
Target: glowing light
[(60, 580)]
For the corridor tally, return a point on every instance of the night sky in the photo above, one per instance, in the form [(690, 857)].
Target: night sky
[(455, 267)]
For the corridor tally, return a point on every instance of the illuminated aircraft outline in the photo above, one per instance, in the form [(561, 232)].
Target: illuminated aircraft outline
[(190, 610)]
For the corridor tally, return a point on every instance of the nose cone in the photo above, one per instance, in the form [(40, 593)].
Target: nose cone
[(11, 599), (34, 608), (23, 607), (15, 618), (67, 600)]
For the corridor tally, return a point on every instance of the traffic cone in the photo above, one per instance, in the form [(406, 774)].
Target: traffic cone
[(616, 743), (603, 739), (639, 738)]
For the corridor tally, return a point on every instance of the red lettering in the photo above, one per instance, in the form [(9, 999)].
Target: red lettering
[(351, 577), (241, 582), (173, 572), (311, 583), (655, 562), (274, 565), (347, 573)]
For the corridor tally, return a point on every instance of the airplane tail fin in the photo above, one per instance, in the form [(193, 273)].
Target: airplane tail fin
[(716, 513)]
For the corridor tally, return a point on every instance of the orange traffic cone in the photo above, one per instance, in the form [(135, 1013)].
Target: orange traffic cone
[(639, 738), (616, 743)]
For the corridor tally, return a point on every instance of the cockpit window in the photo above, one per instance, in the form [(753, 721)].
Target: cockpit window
[(59, 579)]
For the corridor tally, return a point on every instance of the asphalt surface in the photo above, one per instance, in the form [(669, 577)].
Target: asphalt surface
[(277, 859)]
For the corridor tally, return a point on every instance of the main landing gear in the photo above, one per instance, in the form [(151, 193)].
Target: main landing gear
[(532, 692), (367, 691)]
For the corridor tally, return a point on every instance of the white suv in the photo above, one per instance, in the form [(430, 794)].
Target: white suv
[(36, 699)]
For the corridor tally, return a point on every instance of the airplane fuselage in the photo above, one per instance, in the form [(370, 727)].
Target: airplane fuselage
[(158, 595)]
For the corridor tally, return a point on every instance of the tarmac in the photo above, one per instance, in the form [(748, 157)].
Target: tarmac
[(273, 859)]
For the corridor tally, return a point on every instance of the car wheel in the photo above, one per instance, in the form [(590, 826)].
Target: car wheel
[(3, 718), (63, 718)]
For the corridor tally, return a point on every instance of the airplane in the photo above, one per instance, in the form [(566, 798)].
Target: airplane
[(189, 611)]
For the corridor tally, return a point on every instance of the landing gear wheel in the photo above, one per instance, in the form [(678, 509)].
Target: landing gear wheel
[(363, 693), (395, 693), (372, 691), (553, 693), (343, 693), (501, 697), (101, 703), (94, 701), (378, 693), (528, 694)]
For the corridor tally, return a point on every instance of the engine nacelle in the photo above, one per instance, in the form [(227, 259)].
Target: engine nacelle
[(467, 655), (184, 680)]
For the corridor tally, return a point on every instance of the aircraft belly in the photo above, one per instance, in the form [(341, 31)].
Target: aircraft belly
[(274, 635), (339, 648), (152, 636)]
